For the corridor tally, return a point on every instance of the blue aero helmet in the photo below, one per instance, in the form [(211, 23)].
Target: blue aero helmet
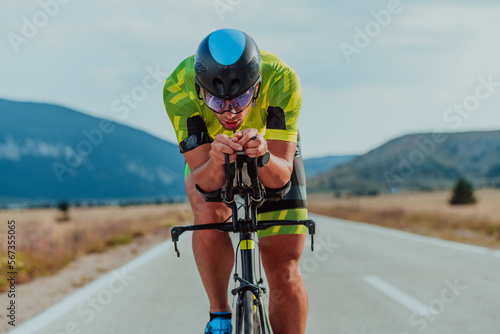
[(227, 65)]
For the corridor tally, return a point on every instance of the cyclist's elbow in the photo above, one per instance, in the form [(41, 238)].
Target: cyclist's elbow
[(277, 179), (209, 181)]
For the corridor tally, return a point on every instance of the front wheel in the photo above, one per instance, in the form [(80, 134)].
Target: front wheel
[(251, 321)]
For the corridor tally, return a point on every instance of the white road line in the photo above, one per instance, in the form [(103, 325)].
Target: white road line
[(399, 296), (415, 237), (41, 320)]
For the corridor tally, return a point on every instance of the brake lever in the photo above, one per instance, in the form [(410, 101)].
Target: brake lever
[(312, 230), (175, 239)]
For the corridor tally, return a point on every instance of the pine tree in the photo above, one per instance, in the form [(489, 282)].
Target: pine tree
[(64, 207), (463, 193)]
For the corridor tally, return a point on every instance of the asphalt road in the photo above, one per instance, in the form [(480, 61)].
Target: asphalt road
[(360, 279)]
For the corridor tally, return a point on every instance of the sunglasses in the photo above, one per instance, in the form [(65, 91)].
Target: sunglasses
[(235, 105)]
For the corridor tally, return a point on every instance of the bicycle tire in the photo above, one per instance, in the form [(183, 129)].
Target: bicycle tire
[(251, 315)]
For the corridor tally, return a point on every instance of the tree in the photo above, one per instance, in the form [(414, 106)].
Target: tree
[(463, 193), (64, 207)]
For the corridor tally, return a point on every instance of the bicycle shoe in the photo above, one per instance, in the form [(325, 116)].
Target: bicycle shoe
[(220, 323)]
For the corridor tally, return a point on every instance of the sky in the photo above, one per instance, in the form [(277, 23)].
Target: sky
[(370, 70)]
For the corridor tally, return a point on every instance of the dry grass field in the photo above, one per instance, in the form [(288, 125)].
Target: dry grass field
[(422, 213), (45, 242)]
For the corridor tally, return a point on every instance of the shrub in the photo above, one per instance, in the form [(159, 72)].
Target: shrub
[(64, 207), (463, 193)]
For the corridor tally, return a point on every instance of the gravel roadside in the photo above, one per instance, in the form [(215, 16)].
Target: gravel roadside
[(40, 294)]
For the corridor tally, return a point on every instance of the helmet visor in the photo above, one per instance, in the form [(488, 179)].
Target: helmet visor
[(234, 106)]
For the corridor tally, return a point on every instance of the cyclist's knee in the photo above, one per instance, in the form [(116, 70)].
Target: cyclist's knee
[(285, 274), (280, 255), (204, 212)]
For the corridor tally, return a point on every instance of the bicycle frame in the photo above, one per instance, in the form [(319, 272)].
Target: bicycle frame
[(253, 197)]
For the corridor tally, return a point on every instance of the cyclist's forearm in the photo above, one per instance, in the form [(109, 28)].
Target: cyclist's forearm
[(209, 176), (276, 173)]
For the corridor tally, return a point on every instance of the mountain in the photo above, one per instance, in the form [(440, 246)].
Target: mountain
[(52, 153), (316, 166), (424, 161)]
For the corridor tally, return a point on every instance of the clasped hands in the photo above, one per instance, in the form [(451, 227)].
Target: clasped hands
[(250, 140)]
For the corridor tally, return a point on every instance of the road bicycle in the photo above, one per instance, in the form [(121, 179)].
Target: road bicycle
[(251, 317)]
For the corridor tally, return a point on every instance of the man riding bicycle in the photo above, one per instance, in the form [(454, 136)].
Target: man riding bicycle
[(229, 97)]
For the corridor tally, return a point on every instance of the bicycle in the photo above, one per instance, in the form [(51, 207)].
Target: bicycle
[(250, 311)]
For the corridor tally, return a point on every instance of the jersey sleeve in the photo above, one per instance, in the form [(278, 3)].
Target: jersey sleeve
[(285, 101), (183, 108)]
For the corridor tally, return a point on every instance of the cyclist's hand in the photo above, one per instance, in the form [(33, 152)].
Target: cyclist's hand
[(254, 143), (224, 144)]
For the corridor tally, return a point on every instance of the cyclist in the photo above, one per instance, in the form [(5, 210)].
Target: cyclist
[(228, 97)]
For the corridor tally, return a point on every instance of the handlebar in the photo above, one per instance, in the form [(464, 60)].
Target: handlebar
[(254, 196), (229, 172), (243, 227), (258, 192), (255, 188)]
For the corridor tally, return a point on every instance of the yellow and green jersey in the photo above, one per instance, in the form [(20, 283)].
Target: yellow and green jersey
[(275, 114)]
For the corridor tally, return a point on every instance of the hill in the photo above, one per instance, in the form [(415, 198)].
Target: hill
[(316, 166), (418, 162), (51, 153)]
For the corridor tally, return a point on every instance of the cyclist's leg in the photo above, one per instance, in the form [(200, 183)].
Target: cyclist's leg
[(288, 302), (281, 248), (213, 250)]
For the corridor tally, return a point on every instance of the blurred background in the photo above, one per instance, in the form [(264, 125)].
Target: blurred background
[(371, 72)]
